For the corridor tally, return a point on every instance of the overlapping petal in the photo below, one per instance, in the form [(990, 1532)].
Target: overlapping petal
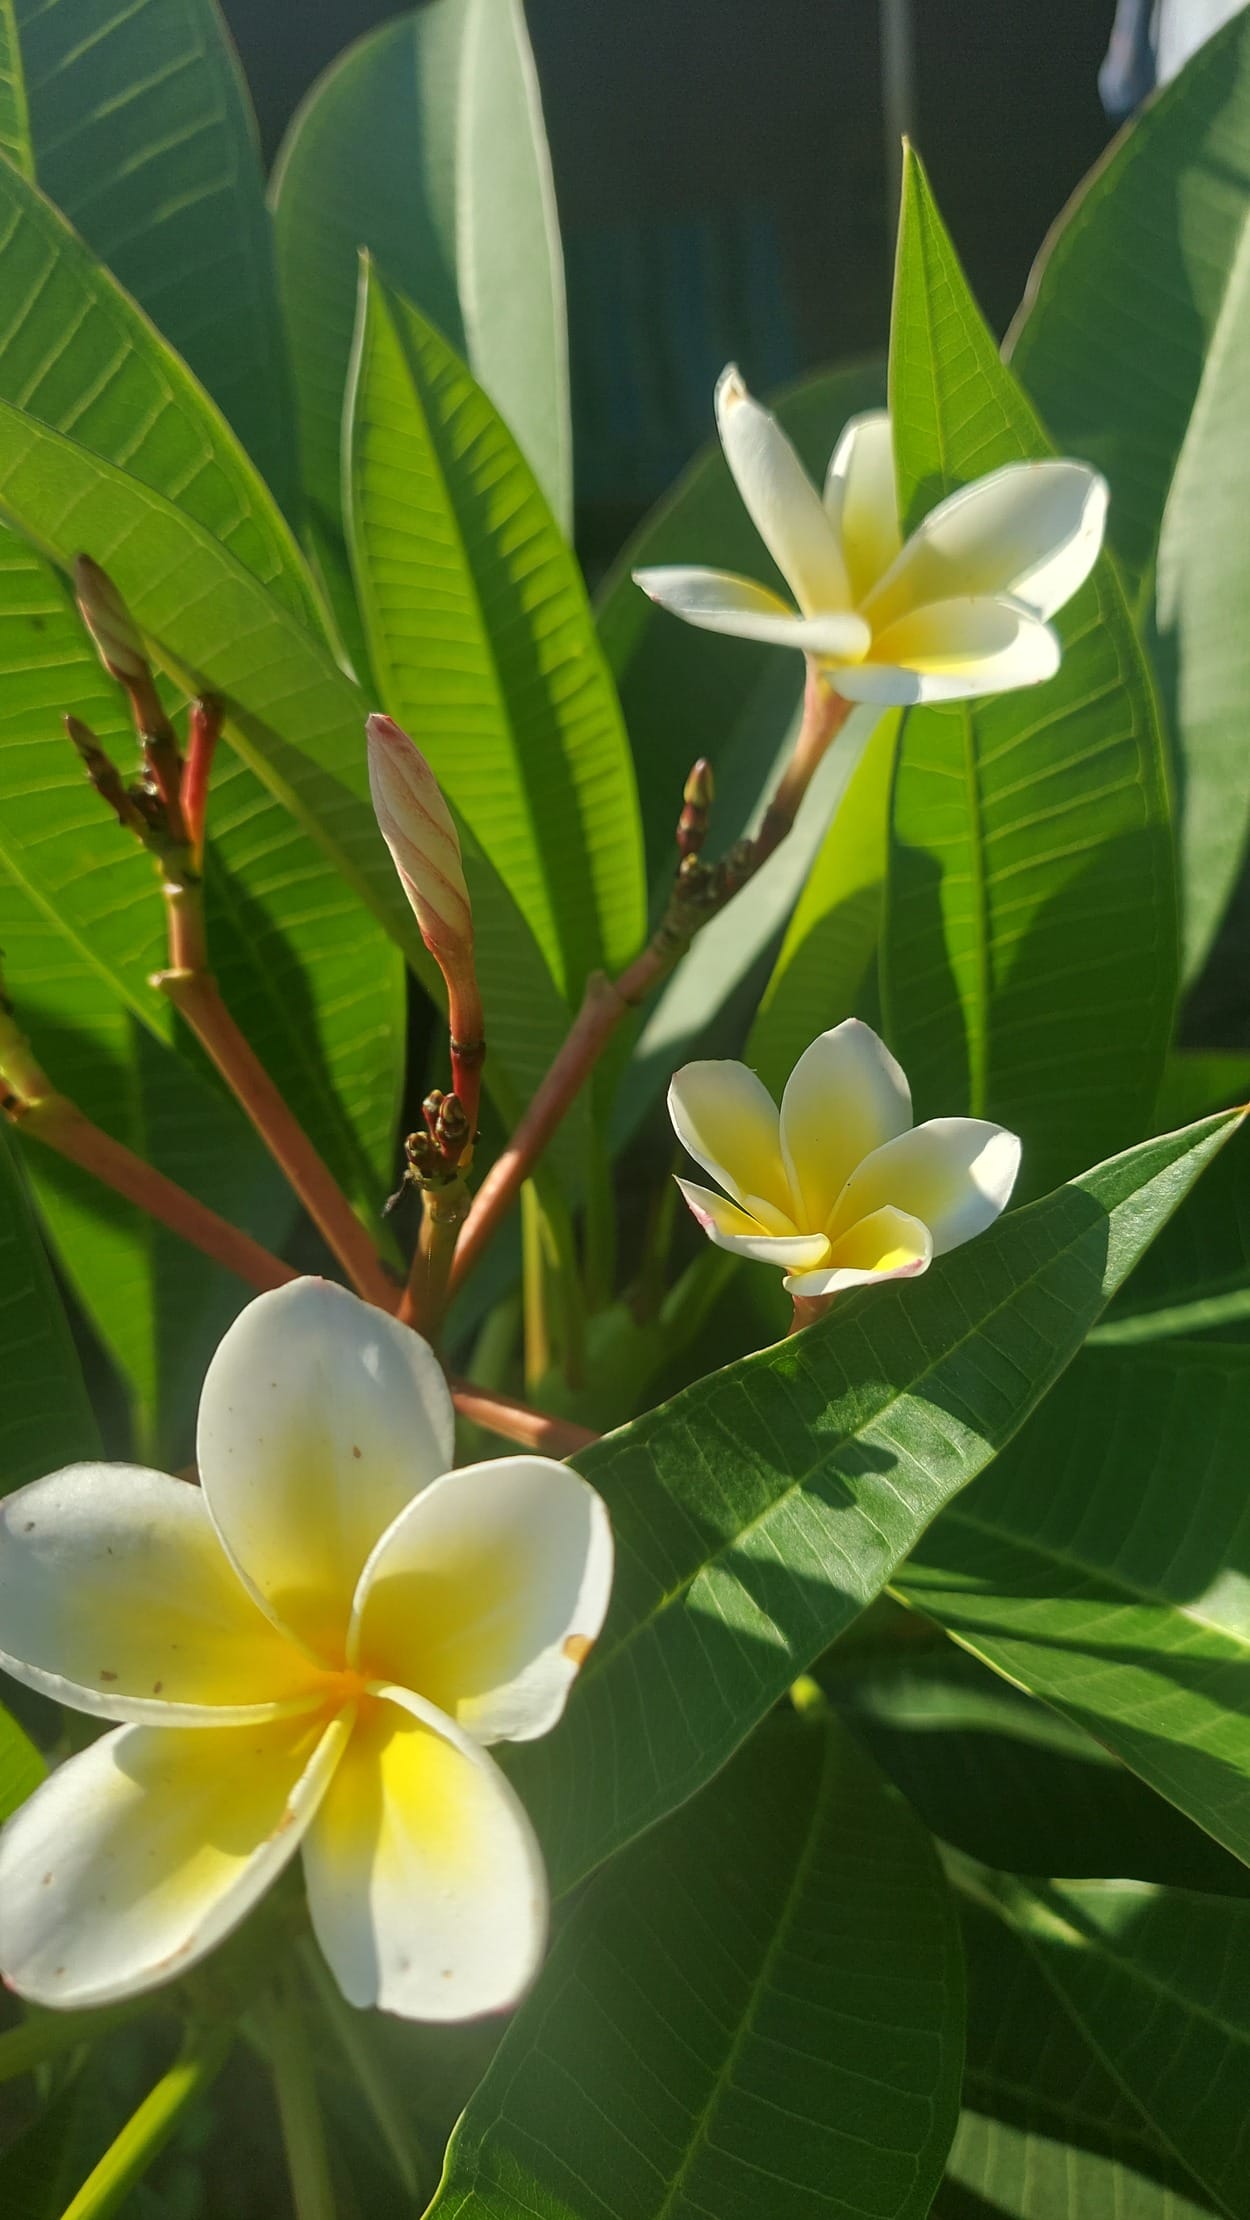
[(487, 1593), (724, 1115), (425, 1883), (861, 500), (1030, 531), (744, 1235), (888, 1245), (954, 1174), (953, 651), (117, 1598), (139, 1855), (845, 1096), (320, 1419), (720, 601), (781, 500)]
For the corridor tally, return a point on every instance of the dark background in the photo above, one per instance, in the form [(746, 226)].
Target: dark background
[(721, 168)]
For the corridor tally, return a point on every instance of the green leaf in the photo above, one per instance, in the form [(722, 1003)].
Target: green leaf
[(825, 968), (1152, 259), (1100, 1565), (21, 1767), (81, 357), (424, 143), (1157, 1982), (293, 717), (482, 641), (1200, 1280), (1046, 2132), (684, 694), (1007, 1780), (758, 2010), (759, 1511), (135, 120), (1029, 955), (45, 1417), (302, 964)]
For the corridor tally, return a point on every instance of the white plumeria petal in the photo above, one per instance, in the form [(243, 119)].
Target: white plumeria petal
[(845, 1096), (720, 601), (116, 1597), (780, 499), (742, 1235), (953, 651), (321, 1417), (487, 1593), (888, 1245), (1030, 531), (861, 500), (139, 1855), (954, 1174), (727, 1120), (426, 1886)]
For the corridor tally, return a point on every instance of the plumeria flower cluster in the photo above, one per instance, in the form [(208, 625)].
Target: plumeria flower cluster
[(839, 1188), (312, 1651), (959, 609)]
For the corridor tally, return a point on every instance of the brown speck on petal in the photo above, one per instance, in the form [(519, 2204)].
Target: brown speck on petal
[(577, 1648), (157, 1686), (105, 1673), (46, 1879), (29, 1527)]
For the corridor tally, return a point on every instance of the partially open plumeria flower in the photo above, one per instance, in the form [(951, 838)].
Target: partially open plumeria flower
[(309, 1652), (959, 610), (839, 1188)]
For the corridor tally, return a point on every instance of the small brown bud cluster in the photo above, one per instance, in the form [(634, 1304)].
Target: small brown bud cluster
[(434, 1156), (698, 795)]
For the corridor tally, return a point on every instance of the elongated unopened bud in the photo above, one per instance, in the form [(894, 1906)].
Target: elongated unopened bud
[(109, 622), (417, 827)]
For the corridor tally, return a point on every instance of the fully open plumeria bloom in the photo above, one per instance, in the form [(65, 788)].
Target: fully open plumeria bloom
[(959, 609), (311, 1651), (839, 1188)]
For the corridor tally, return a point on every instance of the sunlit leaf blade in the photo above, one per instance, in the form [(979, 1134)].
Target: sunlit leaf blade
[(1101, 1565), (1157, 242), (1029, 955), (759, 2009), (424, 143), (737, 698), (1046, 2133), (45, 1416), (78, 354), (1200, 1280), (1007, 1780), (825, 966), (134, 118), (293, 716), (759, 1511), (302, 964), (1157, 1982), (21, 1767), (481, 640)]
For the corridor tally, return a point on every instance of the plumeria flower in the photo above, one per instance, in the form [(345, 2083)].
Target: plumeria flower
[(959, 609), (839, 1188), (310, 1652)]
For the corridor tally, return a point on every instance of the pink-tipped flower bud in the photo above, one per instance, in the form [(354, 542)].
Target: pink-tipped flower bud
[(417, 827)]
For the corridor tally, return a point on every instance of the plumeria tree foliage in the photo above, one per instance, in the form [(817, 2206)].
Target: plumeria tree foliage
[(522, 1698)]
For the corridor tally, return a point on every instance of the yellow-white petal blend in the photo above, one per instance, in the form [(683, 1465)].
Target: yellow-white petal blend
[(960, 609), (310, 1652), (837, 1187)]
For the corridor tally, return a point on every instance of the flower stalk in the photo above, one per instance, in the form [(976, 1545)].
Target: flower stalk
[(203, 2054)]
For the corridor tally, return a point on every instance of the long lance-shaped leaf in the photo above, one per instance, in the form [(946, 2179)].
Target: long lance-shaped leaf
[(293, 716), (759, 1511), (482, 642), (759, 2009), (1046, 2129), (424, 143), (1156, 1980), (135, 120), (1102, 1567), (45, 1417), (1132, 341), (1030, 947)]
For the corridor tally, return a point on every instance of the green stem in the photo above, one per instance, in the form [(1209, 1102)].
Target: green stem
[(203, 2054), (285, 2032), (391, 2117)]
